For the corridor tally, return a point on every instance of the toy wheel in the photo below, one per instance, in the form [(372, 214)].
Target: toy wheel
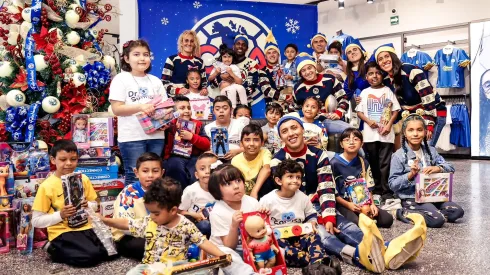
[(296, 230), (277, 233)]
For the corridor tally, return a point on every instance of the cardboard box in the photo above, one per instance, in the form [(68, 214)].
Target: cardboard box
[(101, 176), (98, 169), (107, 209), (280, 267), (434, 188)]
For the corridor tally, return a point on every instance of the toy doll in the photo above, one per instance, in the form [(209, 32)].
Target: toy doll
[(25, 225), (261, 247), (80, 132), (4, 173)]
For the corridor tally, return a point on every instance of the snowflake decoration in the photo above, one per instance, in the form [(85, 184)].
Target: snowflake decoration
[(292, 26), (165, 21), (152, 56), (197, 4)]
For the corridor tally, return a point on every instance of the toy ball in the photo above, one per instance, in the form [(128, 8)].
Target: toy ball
[(72, 17), (73, 38), (331, 104), (15, 98), (50, 104), (79, 79), (109, 62), (26, 14), (5, 69), (58, 32), (40, 63)]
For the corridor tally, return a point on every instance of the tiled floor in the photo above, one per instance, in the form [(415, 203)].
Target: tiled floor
[(461, 248)]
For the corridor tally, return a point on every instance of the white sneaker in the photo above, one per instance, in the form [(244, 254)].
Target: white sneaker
[(392, 204)]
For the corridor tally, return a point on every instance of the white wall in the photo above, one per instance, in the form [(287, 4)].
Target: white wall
[(365, 20)]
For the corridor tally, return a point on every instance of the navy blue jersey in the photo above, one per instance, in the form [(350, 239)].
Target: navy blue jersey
[(174, 74)]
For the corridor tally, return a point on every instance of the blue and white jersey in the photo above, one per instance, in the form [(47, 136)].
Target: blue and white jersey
[(419, 59), (451, 67)]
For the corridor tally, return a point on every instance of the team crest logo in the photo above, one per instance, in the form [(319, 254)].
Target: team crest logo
[(316, 91)]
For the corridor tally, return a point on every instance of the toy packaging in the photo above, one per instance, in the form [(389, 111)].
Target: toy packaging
[(74, 195), (107, 209), (101, 132), (279, 76), (19, 157), (26, 188), (219, 141), (386, 114), (111, 169), (80, 129), (4, 233), (95, 161), (200, 106), (436, 187), (38, 160), (100, 152), (330, 61), (182, 147), (152, 124), (279, 264), (25, 230), (202, 267), (102, 231), (358, 191), (293, 230), (107, 192)]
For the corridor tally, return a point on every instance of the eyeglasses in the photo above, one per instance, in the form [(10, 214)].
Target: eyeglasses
[(353, 140)]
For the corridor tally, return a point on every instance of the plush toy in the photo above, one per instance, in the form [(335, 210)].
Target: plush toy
[(262, 249)]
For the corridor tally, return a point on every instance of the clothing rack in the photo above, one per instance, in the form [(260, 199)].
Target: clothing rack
[(441, 44)]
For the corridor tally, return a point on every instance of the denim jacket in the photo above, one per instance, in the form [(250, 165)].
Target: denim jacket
[(399, 170)]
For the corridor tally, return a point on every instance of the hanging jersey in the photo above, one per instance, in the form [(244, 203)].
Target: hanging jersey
[(451, 67), (419, 59)]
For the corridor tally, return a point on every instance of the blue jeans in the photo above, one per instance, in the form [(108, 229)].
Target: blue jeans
[(181, 170), (440, 123), (350, 234), (132, 150), (336, 126)]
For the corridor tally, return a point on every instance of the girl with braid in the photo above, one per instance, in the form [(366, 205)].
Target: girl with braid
[(416, 156)]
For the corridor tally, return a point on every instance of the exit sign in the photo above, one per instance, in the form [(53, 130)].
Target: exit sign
[(395, 20)]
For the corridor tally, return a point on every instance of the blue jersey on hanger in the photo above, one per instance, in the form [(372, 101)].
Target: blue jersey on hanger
[(420, 60), (451, 68)]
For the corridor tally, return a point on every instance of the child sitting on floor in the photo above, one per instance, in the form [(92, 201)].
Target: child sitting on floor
[(130, 205), (73, 246), (196, 196), (167, 233), (289, 206)]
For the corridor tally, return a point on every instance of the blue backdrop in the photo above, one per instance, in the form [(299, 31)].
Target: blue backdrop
[(162, 21)]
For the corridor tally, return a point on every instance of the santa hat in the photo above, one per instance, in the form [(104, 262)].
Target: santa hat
[(291, 116), (315, 36), (350, 43), (270, 43), (241, 37), (383, 48), (302, 60)]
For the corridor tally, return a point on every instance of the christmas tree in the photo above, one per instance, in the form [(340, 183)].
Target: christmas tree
[(51, 66)]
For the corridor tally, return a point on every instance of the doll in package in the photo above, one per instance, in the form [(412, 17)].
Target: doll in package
[(74, 195)]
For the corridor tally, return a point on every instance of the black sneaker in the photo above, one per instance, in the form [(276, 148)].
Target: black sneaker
[(401, 215), (334, 263), (318, 268)]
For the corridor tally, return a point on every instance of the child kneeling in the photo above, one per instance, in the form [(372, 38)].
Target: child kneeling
[(167, 233), (289, 207), (78, 246)]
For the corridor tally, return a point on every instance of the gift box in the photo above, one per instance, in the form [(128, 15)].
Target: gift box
[(101, 132), (280, 267), (98, 169), (436, 187), (101, 152), (4, 233), (107, 192), (102, 176), (86, 162)]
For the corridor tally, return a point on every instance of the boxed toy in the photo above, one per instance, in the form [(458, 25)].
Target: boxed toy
[(101, 152), (26, 188), (74, 195), (104, 176), (436, 187), (219, 141), (358, 191), (276, 263), (101, 132), (107, 191), (200, 106), (107, 209), (4, 233), (155, 122), (293, 230), (111, 169), (25, 230), (96, 161), (80, 130), (183, 147), (202, 267)]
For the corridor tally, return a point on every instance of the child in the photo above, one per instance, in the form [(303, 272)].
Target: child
[(80, 133), (254, 162), (242, 111), (289, 207), (227, 185), (315, 131), (378, 132), (73, 246), (273, 112), (196, 196), (222, 108), (197, 95), (413, 158), (349, 163), (231, 77), (289, 65), (178, 167), (130, 205), (167, 233), (130, 92)]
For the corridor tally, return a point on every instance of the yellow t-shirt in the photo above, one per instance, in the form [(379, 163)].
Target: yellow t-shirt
[(50, 198), (251, 169)]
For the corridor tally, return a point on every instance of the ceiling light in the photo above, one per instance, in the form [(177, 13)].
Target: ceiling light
[(370, 1), (341, 5)]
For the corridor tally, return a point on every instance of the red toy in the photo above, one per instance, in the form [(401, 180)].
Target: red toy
[(280, 263)]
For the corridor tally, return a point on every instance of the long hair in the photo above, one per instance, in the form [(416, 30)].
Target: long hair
[(360, 69), (397, 73), (425, 147), (197, 45)]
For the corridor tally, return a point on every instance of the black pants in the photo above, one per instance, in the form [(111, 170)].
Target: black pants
[(435, 214), (131, 247), (383, 220), (379, 158), (78, 248)]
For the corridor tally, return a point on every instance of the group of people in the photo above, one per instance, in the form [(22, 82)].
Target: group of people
[(281, 168)]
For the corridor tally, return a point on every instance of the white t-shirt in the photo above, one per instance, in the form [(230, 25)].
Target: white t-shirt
[(372, 102), (288, 211), (135, 90), (220, 218), (234, 131), (234, 68), (195, 198)]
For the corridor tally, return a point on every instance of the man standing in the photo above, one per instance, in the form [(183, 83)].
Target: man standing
[(319, 45)]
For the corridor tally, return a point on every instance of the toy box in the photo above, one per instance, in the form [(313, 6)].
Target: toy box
[(74, 195), (293, 230), (182, 147), (107, 209), (219, 141), (108, 184), (358, 191), (202, 267), (434, 188), (25, 188), (25, 230), (4, 233), (152, 124), (200, 106), (107, 192), (101, 132), (80, 130), (280, 267), (101, 152), (102, 176), (85, 162), (98, 169)]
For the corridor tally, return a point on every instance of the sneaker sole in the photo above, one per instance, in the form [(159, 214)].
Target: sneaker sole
[(407, 252), (376, 256)]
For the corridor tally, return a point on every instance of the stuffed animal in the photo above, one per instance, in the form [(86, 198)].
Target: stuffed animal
[(261, 248)]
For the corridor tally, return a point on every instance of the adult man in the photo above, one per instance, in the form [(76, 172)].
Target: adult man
[(319, 45)]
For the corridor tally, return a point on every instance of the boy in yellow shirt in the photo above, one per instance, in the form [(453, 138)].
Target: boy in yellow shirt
[(73, 246), (254, 162)]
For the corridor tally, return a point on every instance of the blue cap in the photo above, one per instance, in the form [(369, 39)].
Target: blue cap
[(291, 116), (241, 37), (383, 48), (302, 60)]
